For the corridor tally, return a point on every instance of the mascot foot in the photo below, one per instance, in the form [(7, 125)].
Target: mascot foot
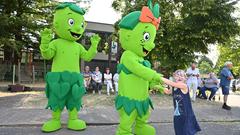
[(74, 123), (77, 124), (51, 126), (123, 133), (54, 124), (145, 130)]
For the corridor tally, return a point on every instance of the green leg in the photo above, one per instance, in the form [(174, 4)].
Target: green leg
[(142, 127), (53, 124), (74, 123), (126, 122)]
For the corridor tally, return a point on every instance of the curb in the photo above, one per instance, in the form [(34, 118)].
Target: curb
[(114, 124)]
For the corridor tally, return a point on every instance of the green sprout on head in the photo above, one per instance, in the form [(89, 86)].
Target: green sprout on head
[(72, 6), (132, 19)]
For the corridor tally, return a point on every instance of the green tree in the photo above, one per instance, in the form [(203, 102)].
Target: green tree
[(187, 27), (205, 67), (21, 21), (205, 59), (230, 51)]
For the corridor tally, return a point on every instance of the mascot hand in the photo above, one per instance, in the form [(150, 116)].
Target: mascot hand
[(156, 86), (158, 78), (95, 40), (46, 36)]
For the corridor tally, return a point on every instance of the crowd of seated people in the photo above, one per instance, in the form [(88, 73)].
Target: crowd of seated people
[(93, 81)]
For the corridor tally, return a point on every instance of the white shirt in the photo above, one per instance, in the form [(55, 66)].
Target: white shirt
[(107, 77), (200, 83), (116, 77), (192, 74), (97, 77)]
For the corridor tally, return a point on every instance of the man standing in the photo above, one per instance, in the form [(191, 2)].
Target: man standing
[(192, 81), (226, 77)]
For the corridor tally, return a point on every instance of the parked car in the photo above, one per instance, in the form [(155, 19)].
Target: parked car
[(236, 85)]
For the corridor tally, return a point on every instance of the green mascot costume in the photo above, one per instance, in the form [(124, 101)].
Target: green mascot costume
[(64, 82), (137, 33)]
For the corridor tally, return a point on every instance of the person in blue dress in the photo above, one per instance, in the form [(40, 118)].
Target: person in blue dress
[(185, 122)]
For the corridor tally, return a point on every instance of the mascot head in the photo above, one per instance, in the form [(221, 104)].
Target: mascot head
[(68, 22), (138, 29)]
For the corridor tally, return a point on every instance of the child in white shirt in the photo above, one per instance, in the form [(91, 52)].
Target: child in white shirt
[(108, 80)]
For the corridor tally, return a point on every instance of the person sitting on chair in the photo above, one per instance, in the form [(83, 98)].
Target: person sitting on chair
[(210, 84), (87, 77), (97, 81)]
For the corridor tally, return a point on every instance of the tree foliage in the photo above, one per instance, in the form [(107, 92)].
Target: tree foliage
[(205, 59), (230, 51), (187, 27), (21, 21), (205, 67)]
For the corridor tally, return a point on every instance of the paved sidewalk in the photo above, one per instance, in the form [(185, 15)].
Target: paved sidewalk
[(161, 129), (23, 114), (109, 116)]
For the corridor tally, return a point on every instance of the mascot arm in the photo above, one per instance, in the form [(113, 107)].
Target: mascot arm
[(88, 55), (48, 50), (138, 69), (47, 47)]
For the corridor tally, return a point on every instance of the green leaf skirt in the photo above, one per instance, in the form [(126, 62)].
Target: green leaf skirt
[(64, 89), (129, 105)]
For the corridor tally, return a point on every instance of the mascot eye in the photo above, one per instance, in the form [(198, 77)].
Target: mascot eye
[(82, 25), (146, 36), (71, 22)]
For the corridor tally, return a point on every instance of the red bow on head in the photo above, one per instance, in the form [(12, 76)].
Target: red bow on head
[(148, 17)]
